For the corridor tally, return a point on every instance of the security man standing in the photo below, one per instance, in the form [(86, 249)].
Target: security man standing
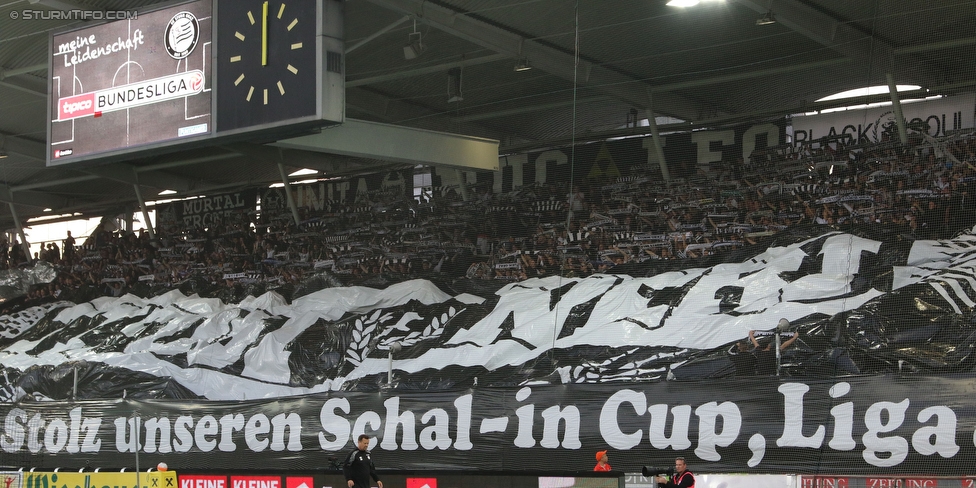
[(682, 478), (359, 466)]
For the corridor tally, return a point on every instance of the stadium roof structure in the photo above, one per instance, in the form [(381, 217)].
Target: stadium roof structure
[(708, 65)]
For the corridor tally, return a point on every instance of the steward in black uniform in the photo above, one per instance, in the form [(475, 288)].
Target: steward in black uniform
[(358, 466)]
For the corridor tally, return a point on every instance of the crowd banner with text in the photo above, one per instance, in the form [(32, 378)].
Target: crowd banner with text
[(685, 152), (869, 426), (935, 118), (229, 209)]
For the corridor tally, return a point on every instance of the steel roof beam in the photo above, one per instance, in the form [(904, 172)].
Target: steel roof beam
[(22, 146), (840, 36), (546, 58), (31, 199)]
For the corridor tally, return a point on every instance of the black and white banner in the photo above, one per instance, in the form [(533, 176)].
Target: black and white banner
[(650, 362), (608, 160), (208, 211), (937, 117), (891, 424)]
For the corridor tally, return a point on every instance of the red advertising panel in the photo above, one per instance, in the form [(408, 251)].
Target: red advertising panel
[(421, 482), (901, 482), (202, 481), (822, 482), (299, 482), (255, 481)]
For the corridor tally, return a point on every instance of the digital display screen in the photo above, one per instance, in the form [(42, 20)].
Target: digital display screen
[(140, 83)]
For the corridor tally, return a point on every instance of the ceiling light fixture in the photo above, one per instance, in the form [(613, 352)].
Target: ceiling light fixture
[(454, 85), (766, 19), (167, 192), (523, 63), (304, 172), (682, 3), (3, 154), (415, 44)]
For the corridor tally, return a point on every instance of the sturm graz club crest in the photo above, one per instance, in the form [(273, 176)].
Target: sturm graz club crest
[(182, 34), (886, 125)]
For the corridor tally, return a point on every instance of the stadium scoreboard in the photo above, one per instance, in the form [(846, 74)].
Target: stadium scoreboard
[(193, 74)]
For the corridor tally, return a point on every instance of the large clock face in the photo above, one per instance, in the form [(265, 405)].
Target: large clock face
[(266, 62)]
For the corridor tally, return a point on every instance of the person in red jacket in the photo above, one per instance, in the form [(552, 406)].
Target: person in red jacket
[(601, 462)]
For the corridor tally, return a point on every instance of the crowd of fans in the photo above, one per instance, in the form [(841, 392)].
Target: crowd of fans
[(922, 190)]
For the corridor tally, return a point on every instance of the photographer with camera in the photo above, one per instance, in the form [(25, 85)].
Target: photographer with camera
[(680, 477)]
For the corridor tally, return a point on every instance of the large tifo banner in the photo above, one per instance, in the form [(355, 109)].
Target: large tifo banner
[(869, 125), (207, 211), (684, 152), (329, 196), (859, 425)]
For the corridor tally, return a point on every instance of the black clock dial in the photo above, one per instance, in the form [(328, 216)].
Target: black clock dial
[(266, 62)]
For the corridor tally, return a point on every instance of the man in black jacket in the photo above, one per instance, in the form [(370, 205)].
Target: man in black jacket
[(359, 466)]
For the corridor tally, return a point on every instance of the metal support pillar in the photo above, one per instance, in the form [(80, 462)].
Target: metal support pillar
[(145, 212), (463, 182), (288, 196), (896, 104), (20, 230), (656, 138)]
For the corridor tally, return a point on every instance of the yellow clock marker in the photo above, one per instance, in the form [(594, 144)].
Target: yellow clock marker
[(235, 59), (293, 69), (239, 35), (239, 79), (281, 11), (296, 45), (249, 93), (292, 25), (250, 17), (281, 89), (264, 35), (265, 96)]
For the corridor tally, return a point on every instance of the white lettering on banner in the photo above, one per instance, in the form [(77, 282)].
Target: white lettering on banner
[(842, 438), (82, 436), (708, 437), (679, 428), (870, 125), (880, 418), (336, 431), (702, 145), (708, 428), (610, 427), (395, 420), (703, 141)]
